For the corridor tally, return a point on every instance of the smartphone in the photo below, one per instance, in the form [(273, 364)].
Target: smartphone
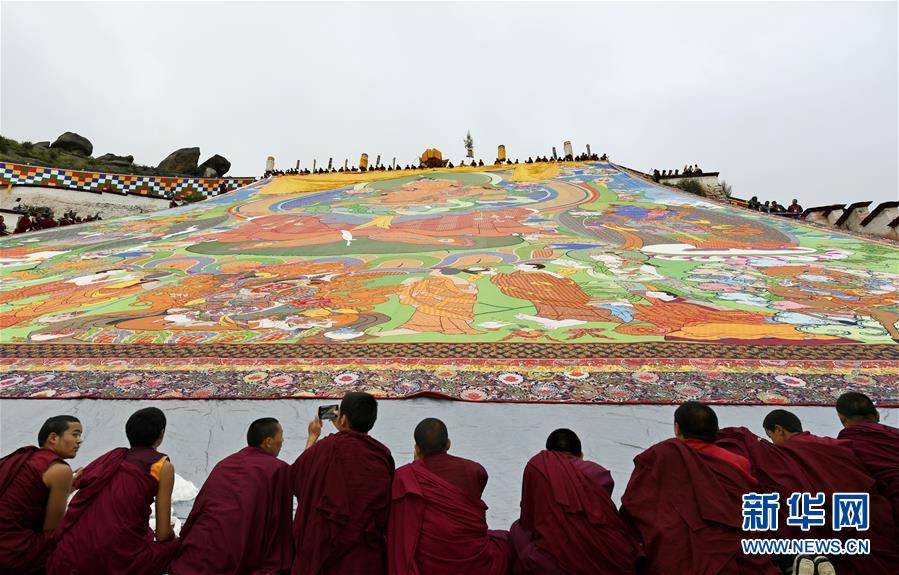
[(327, 412)]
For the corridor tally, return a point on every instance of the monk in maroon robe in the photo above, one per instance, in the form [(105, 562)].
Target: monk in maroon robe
[(684, 499), (875, 444), (240, 523), (342, 485), (569, 524), (24, 225), (438, 521), (34, 485), (106, 528), (801, 462)]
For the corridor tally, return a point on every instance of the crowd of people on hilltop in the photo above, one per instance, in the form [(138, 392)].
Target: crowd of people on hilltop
[(420, 166), (794, 210), (568, 158), (340, 170), (693, 170), (350, 170), (40, 218), (683, 511)]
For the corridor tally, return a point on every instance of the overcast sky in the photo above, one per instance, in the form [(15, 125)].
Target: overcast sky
[(784, 99)]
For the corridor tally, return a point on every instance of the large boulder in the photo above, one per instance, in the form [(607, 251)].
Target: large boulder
[(72, 142), (218, 163), (183, 161), (113, 159)]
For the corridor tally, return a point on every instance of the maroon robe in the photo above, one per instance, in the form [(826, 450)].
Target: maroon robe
[(240, 522), (877, 446), (342, 486), (23, 225), (24, 544), (436, 528), (569, 524), (469, 476), (106, 529), (686, 505), (808, 463)]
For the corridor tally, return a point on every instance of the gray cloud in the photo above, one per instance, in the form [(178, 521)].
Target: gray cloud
[(785, 99)]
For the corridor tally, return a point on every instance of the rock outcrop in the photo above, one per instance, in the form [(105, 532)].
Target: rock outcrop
[(72, 142), (113, 159), (183, 161), (218, 163)]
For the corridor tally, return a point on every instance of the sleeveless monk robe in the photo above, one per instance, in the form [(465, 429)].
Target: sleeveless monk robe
[(685, 504), (106, 529), (809, 463), (569, 524), (342, 485), (24, 545), (240, 522), (877, 446), (438, 523)]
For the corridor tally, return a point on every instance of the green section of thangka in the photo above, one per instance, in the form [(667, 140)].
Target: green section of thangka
[(588, 255)]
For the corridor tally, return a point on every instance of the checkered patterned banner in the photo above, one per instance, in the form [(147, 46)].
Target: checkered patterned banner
[(21, 175)]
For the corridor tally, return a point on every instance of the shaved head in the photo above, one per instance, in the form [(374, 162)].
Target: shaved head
[(857, 407), (786, 419), (780, 425), (260, 429), (145, 427), (431, 436), (57, 424), (564, 440), (360, 409), (697, 421)]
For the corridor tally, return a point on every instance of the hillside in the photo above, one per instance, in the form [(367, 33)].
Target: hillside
[(42, 155)]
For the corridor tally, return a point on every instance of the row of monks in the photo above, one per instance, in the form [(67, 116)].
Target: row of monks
[(356, 513), (420, 166)]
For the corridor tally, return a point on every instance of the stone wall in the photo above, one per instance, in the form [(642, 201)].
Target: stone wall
[(881, 221), (709, 182)]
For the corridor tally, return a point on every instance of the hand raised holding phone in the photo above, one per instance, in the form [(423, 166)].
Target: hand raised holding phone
[(315, 426), (327, 412)]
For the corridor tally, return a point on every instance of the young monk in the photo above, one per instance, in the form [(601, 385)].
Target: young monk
[(438, 523), (684, 499), (34, 485), (241, 520), (342, 485), (106, 529), (824, 465), (798, 462), (569, 524), (875, 444)]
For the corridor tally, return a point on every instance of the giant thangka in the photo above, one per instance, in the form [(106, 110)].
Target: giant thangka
[(538, 282)]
